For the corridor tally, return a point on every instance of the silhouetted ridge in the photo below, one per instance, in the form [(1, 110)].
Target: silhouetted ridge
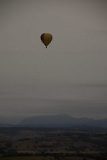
[(62, 121)]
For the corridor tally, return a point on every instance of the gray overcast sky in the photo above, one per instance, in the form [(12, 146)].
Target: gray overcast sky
[(70, 76)]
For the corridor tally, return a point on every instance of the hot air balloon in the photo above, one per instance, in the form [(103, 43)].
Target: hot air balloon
[(46, 38)]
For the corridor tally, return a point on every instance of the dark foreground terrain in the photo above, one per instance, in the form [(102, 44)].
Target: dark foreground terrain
[(61, 144)]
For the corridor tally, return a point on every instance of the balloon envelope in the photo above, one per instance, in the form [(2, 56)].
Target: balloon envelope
[(46, 38)]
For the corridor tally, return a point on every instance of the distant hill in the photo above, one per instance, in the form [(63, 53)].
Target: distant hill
[(6, 125), (62, 121)]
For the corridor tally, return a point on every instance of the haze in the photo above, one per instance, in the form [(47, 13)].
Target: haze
[(70, 76)]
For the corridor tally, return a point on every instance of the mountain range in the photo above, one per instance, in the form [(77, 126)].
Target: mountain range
[(53, 121), (62, 121)]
